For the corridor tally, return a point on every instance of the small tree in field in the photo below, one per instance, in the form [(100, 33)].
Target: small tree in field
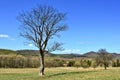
[(39, 26), (94, 64), (104, 57), (84, 64), (77, 63)]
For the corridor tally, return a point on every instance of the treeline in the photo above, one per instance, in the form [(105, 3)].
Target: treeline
[(116, 63), (19, 61)]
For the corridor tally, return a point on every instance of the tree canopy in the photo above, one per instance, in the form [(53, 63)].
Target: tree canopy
[(40, 26)]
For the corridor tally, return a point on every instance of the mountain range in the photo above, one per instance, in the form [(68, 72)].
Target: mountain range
[(90, 54)]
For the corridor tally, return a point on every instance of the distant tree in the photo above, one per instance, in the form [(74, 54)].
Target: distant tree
[(70, 63), (94, 64), (39, 26), (85, 64), (89, 62), (77, 63), (118, 63), (104, 57), (114, 63)]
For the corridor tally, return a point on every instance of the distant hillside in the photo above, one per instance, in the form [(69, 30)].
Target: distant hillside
[(32, 53), (36, 53), (90, 54), (71, 55), (116, 55), (93, 54), (7, 52), (28, 52)]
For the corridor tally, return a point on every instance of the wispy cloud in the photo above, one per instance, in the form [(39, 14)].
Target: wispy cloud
[(4, 36), (30, 45), (71, 51)]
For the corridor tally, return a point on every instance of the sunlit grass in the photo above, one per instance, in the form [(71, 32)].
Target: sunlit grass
[(69, 73)]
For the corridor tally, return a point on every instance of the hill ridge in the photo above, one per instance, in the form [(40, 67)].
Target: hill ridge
[(26, 52)]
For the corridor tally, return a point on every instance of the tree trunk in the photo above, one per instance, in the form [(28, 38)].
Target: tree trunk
[(105, 66), (41, 63)]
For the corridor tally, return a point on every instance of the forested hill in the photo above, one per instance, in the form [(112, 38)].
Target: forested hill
[(90, 54), (7, 52), (32, 53), (28, 52)]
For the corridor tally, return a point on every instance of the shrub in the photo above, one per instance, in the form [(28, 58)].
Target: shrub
[(84, 64), (70, 63), (94, 64), (77, 63)]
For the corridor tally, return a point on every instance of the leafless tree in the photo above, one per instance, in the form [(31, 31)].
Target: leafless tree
[(39, 26), (104, 57)]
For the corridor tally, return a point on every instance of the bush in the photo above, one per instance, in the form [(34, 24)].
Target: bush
[(116, 63), (54, 63), (94, 64), (70, 63), (77, 63), (85, 64)]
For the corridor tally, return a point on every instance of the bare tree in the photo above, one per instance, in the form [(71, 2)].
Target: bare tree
[(104, 57), (39, 26)]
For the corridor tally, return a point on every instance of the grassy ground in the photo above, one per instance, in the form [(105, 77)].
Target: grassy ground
[(61, 74)]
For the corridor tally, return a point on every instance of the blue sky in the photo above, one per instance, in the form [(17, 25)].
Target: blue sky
[(93, 24)]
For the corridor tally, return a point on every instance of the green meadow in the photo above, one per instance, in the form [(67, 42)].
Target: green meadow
[(61, 73)]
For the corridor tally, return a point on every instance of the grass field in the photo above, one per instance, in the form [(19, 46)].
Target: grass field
[(61, 74)]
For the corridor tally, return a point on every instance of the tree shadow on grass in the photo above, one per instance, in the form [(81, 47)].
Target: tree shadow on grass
[(68, 73)]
